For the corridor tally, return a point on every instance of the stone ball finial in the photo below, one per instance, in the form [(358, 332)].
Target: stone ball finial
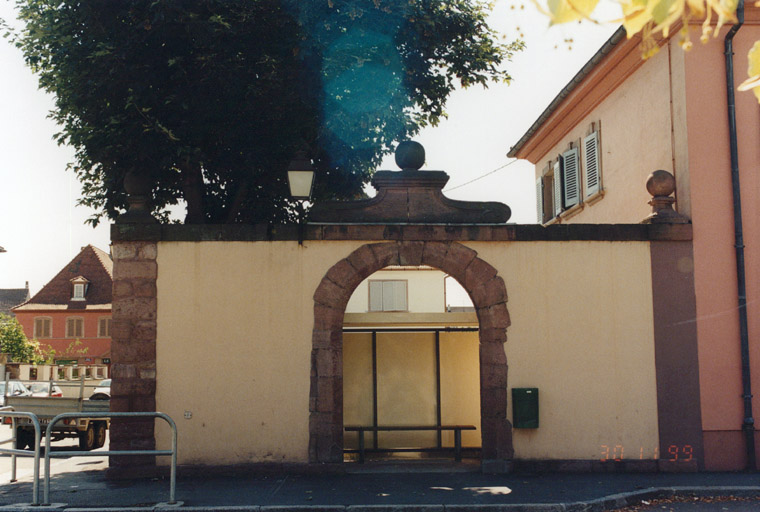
[(137, 185), (410, 155), (661, 183)]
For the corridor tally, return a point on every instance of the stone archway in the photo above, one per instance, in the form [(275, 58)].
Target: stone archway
[(489, 296)]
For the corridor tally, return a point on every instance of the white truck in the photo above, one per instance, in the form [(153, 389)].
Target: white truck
[(90, 432)]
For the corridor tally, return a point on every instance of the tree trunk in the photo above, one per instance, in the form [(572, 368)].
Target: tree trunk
[(192, 189), (237, 203)]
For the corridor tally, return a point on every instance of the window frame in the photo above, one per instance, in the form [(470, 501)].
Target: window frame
[(545, 195), (74, 318), (78, 293), (49, 322), (392, 308), (109, 322)]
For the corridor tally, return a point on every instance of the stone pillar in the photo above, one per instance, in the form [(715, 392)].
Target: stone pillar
[(133, 355)]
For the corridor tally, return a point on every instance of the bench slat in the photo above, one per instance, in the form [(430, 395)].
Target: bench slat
[(398, 428), (356, 428)]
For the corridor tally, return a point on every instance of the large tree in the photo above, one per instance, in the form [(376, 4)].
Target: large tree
[(212, 98)]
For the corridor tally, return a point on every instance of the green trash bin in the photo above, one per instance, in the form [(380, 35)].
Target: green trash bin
[(525, 407)]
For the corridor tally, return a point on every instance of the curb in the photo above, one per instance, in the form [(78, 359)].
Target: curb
[(605, 503)]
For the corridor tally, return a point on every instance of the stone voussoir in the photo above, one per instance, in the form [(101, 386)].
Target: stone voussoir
[(494, 317), (434, 254), (386, 254), (364, 261), (327, 318), (344, 275), (490, 293), (410, 253), (477, 273), (458, 258)]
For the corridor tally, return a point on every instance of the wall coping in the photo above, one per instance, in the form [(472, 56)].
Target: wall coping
[(401, 232)]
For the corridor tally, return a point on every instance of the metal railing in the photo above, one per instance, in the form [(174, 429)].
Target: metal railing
[(50, 453), (14, 452)]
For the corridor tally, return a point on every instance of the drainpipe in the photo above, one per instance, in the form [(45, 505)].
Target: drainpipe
[(749, 423)]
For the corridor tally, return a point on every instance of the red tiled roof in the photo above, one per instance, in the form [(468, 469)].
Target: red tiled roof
[(91, 263)]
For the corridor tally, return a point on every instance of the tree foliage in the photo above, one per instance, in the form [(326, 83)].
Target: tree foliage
[(652, 16), (14, 342), (212, 98)]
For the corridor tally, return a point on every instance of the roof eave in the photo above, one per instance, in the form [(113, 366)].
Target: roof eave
[(597, 76)]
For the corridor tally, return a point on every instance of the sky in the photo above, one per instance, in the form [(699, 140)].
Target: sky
[(42, 229)]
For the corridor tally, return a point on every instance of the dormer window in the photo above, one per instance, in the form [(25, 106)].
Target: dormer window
[(79, 288)]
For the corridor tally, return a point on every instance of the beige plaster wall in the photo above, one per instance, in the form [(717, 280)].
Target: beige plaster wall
[(582, 333), (636, 122), (234, 343)]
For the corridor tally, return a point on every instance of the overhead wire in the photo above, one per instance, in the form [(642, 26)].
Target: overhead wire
[(482, 176)]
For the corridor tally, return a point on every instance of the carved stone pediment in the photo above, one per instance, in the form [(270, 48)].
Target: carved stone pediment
[(410, 196)]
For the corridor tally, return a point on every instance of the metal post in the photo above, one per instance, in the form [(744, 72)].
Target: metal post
[(361, 445), (94, 415), (15, 446), (458, 444)]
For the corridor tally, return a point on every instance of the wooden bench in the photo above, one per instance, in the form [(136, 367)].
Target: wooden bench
[(409, 428)]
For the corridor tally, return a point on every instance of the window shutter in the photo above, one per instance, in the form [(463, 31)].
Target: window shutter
[(394, 295), (557, 188), (375, 295), (41, 327), (399, 296), (74, 327), (540, 200), (570, 178), (591, 156), (388, 296), (104, 328)]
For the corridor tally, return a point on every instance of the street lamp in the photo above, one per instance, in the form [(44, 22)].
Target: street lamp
[(301, 176), (301, 182)]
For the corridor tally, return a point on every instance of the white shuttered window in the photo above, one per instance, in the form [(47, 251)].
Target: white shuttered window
[(571, 186), (540, 200), (593, 182), (387, 296), (557, 188)]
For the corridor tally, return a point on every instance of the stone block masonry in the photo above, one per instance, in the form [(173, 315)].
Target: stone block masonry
[(133, 353)]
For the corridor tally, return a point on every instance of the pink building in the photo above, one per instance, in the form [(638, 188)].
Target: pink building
[(622, 118), (72, 313)]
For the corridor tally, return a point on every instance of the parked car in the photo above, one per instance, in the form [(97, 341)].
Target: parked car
[(15, 388), (44, 389), (103, 391)]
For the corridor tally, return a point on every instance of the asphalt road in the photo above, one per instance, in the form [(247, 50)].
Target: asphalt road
[(701, 504), (25, 465)]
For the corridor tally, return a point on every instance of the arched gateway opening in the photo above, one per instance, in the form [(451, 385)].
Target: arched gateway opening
[(489, 296)]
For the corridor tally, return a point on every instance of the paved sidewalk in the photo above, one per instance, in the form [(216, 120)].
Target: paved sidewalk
[(374, 489)]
